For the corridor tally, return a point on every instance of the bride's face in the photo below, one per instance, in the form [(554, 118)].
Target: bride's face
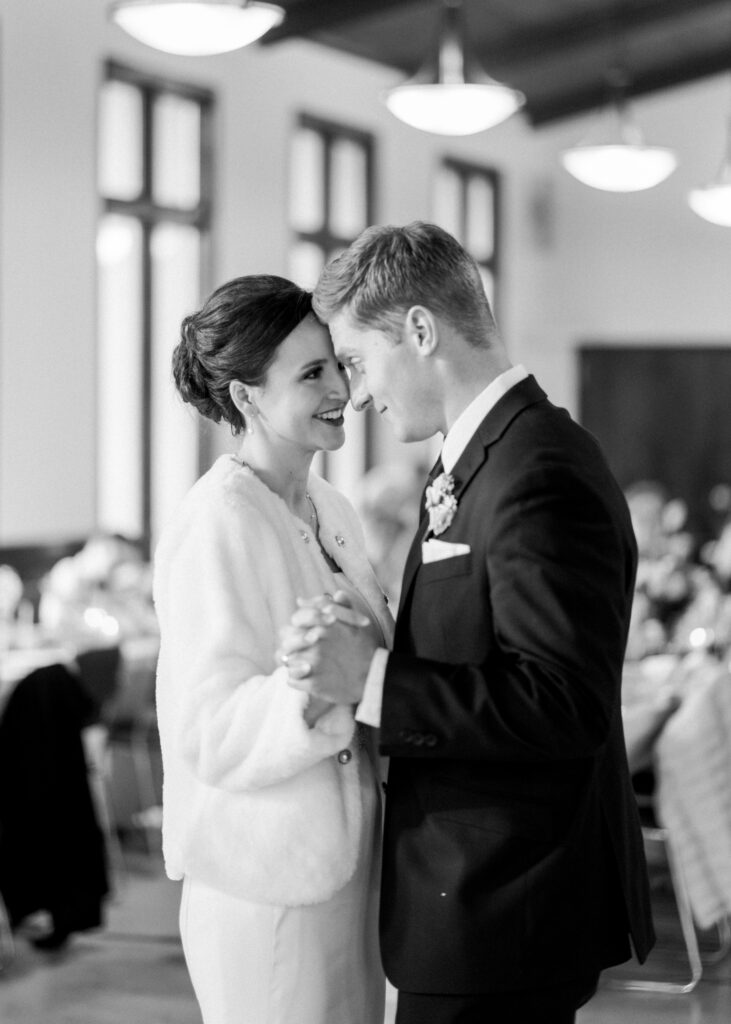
[(303, 398)]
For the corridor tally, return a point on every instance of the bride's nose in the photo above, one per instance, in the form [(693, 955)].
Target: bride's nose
[(338, 385)]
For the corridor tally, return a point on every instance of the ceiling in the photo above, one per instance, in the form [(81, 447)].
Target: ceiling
[(558, 52)]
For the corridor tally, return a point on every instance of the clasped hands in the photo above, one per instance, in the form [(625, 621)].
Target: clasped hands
[(327, 649)]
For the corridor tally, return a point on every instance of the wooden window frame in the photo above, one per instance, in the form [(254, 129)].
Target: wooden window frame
[(465, 171), (325, 239), (149, 214)]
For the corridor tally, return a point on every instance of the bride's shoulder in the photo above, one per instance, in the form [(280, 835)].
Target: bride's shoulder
[(327, 493), (227, 498)]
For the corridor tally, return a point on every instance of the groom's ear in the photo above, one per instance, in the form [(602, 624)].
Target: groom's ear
[(422, 330)]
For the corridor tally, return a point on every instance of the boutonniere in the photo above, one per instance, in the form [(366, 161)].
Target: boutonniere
[(441, 503)]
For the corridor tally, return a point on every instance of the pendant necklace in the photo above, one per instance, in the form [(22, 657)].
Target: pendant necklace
[(314, 526), (314, 519)]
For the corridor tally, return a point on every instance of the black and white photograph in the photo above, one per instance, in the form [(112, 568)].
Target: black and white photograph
[(365, 511)]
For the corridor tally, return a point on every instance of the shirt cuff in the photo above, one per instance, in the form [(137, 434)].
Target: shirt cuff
[(369, 710)]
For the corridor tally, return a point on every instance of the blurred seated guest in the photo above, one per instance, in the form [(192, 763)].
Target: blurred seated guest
[(11, 594), (647, 635), (664, 586), (717, 554), (99, 595), (651, 693), (388, 501), (646, 500), (701, 625), (52, 855)]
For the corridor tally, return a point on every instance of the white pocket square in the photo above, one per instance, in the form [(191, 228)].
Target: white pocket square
[(434, 550)]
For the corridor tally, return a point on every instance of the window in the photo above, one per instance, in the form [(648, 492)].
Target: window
[(330, 195), (152, 255), (466, 205), (330, 204)]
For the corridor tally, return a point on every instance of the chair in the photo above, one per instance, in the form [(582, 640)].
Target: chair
[(642, 728), (46, 798), (99, 673), (696, 961), (131, 723), (95, 739)]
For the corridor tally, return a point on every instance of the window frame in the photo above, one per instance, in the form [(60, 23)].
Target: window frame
[(332, 132), (328, 241), (465, 171), (149, 214)]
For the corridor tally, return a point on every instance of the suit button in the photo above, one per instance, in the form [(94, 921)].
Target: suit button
[(430, 740), (344, 756)]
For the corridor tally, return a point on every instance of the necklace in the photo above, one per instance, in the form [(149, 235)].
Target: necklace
[(314, 519), (315, 526), (313, 515)]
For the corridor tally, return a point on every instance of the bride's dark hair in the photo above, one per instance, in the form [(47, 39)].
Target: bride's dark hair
[(235, 336)]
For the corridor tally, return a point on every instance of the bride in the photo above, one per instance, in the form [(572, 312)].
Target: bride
[(271, 812)]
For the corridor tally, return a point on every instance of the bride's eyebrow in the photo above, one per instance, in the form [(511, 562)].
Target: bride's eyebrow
[(312, 365)]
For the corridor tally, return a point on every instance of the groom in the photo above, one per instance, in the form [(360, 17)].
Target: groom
[(513, 865)]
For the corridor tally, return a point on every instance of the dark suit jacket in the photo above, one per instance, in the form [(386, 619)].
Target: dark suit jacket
[(52, 854), (513, 856)]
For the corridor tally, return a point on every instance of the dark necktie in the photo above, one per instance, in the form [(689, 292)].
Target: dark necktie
[(434, 472)]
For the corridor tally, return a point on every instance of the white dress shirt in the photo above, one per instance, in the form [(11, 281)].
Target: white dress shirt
[(459, 436)]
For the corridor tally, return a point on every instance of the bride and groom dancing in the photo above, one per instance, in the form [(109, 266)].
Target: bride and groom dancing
[(512, 869)]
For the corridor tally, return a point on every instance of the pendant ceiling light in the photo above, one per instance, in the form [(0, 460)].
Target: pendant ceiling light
[(195, 28), (622, 162), (713, 202), (448, 97)]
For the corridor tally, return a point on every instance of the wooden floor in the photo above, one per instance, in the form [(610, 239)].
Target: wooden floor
[(132, 972)]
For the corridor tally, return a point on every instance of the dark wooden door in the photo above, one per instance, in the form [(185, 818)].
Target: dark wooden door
[(662, 413)]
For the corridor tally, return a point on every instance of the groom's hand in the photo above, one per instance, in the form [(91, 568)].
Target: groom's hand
[(328, 649)]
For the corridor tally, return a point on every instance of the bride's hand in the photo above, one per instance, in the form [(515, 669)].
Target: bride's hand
[(316, 708), (325, 609), (310, 623)]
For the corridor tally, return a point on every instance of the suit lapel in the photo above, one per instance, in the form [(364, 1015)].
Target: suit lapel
[(413, 561), (413, 558), (494, 425)]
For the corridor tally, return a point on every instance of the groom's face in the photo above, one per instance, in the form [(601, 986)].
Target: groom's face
[(387, 375)]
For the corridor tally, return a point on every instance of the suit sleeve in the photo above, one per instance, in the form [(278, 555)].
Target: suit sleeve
[(559, 571)]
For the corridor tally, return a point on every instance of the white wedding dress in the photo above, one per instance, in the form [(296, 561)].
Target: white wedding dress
[(319, 964)]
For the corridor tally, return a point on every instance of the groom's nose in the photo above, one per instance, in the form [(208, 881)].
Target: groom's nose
[(360, 399)]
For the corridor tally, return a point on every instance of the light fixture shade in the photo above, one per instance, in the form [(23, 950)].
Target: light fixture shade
[(446, 97), (713, 202), (620, 167), (459, 109), (195, 28), (618, 160)]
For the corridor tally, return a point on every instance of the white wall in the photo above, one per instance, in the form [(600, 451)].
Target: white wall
[(588, 266), (48, 73)]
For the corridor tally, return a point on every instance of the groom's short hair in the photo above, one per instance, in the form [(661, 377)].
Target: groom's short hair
[(387, 270)]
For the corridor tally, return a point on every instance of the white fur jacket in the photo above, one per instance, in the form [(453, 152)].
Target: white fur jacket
[(255, 803)]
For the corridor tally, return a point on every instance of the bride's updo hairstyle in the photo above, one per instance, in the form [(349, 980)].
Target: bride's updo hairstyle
[(235, 336)]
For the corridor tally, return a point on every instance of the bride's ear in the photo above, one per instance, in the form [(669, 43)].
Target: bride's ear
[(241, 397)]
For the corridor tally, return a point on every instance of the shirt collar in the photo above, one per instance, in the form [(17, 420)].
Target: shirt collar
[(464, 427)]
